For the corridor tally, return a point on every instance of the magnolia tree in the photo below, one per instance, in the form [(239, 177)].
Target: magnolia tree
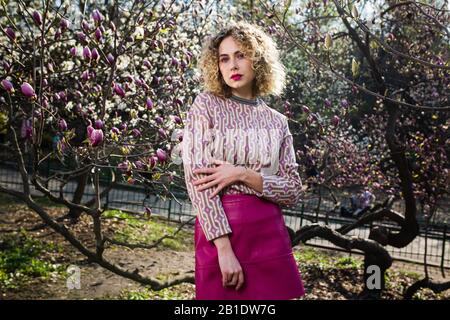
[(102, 91), (375, 114)]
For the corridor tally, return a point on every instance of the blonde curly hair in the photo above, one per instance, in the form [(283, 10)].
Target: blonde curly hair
[(270, 73)]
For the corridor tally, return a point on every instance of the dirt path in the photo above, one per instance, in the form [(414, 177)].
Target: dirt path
[(321, 281)]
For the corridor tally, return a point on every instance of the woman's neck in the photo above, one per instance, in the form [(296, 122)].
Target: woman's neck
[(248, 95)]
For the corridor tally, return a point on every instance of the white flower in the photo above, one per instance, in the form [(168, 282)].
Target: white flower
[(67, 65), (122, 106), (69, 106), (123, 62)]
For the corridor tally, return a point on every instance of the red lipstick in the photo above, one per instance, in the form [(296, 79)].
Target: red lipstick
[(236, 77)]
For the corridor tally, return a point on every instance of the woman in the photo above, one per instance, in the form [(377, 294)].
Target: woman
[(239, 165)]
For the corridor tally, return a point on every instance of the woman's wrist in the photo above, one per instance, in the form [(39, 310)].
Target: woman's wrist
[(242, 174), (222, 243)]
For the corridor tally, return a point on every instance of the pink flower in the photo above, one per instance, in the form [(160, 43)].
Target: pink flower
[(153, 160), (85, 75), (98, 124), (177, 119), (110, 58), (119, 90), (95, 55), (74, 51), (115, 130), (335, 120), (64, 24), (87, 53), (26, 131), (8, 86), (85, 26), (95, 136), (97, 16), (27, 90), (136, 132), (124, 166), (11, 34), (62, 125), (98, 34), (162, 133), (161, 155), (139, 165), (37, 17), (305, 109), (147, 64), (149, 103)]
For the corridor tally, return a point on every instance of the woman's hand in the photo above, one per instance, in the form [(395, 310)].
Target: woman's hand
[(232, 273), (222, 176)]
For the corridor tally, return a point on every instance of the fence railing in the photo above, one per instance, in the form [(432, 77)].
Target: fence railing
[(136, 198)]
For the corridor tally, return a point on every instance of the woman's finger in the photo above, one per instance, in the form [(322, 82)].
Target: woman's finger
[(204, 170), (226, 277), (202, 180), (234, 280), (207, 185), (240, 280), (216, 192)]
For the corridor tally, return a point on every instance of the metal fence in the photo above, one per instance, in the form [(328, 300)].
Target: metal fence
[(311, 210)]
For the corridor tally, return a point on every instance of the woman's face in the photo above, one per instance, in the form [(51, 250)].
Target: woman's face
[(233, 62)]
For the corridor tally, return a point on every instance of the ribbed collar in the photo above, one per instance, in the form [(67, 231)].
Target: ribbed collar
[(252, 102)]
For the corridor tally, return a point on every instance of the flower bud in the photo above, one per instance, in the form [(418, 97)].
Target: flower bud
[(97, 16), (161, 155), (149, 103), (62, 125), (8, 86), (27, 90), (37, 17), (95, 55), (87, 53), (64, 24), (11, 34)]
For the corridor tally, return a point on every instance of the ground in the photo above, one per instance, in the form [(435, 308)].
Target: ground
[(33, 264)]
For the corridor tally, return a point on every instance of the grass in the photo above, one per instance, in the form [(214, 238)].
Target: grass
[(7, 200), (315, 258), (146, 294), (147, 231), (21, 259)]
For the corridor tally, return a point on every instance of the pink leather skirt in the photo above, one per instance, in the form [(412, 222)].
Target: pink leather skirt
[(261, 243)]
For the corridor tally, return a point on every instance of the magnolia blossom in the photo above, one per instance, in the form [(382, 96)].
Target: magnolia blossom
[(161, 155), (11, 34), (37, 17), (97, 16), (26, 131), (64, 24), (124, 166), (87, 53), (95, 136), (119, 90), (95, 55), (8, 86), (62, 125), (27, 90)]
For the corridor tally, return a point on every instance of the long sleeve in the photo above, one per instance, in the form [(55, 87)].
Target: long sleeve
[(284, 187), (210, 212)]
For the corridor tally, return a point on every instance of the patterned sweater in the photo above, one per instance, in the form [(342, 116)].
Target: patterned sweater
[(243, 132)]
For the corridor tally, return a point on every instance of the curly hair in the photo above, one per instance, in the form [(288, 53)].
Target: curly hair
[(270, 73)]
